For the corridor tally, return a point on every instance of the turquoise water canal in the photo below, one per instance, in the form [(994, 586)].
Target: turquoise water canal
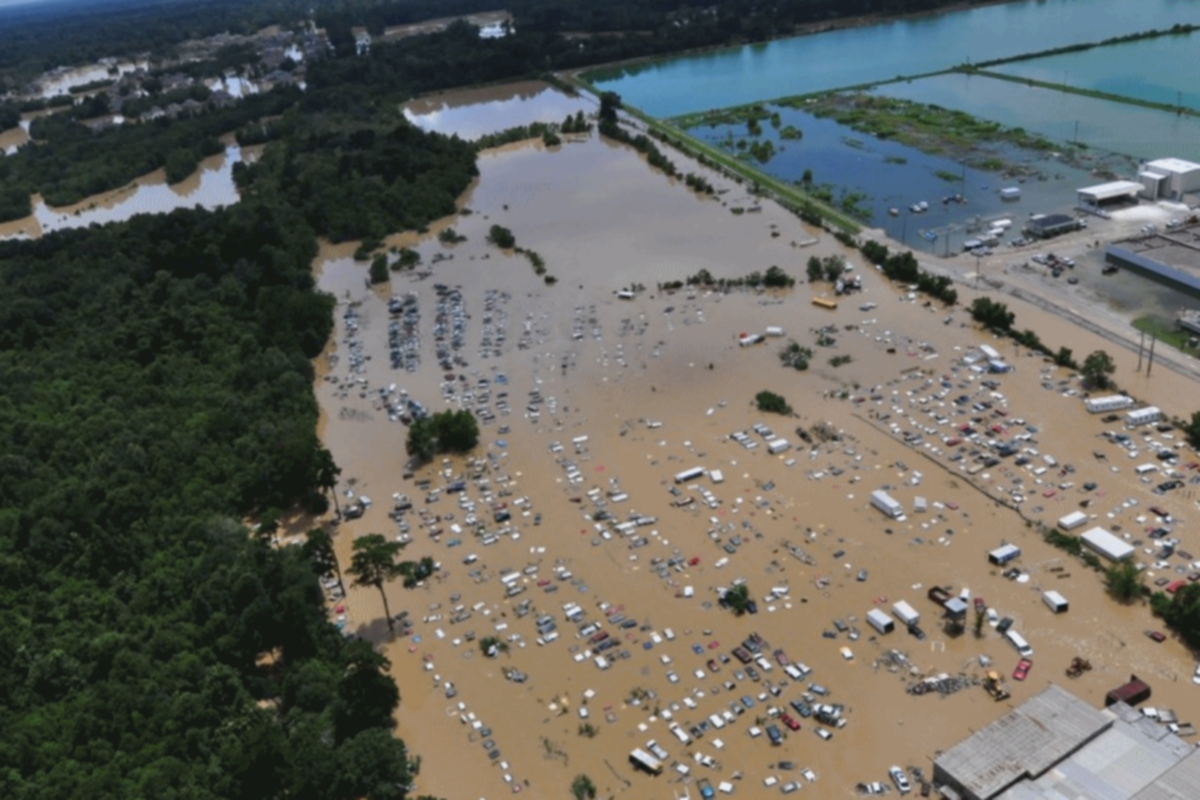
[(856, 56), (1165, 69)]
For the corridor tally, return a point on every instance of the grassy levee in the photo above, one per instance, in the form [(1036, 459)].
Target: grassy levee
[(746, 110), (1153, 33), (1093, 93), (788, 196)]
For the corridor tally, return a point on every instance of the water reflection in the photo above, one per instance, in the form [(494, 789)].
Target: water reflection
[(475, 112)]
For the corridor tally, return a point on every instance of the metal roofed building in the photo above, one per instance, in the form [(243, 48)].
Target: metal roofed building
[(1095, 197), (1044, 226), (1177, 783), (1023, 743), (1057, 747)]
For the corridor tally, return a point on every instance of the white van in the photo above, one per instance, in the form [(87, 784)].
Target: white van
[(1018, 641)]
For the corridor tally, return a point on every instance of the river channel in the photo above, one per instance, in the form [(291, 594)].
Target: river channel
[(854, 56)]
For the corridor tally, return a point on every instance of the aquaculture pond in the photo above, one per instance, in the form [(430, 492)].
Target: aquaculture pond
[(868, 54), (870, 176)]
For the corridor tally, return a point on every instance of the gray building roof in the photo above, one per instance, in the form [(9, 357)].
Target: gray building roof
[(1025, 742), (1180, 782)]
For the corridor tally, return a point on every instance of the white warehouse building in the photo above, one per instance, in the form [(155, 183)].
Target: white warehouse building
[(1169, 178)]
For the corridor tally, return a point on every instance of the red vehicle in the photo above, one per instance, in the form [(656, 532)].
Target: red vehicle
[(1160, 511), (1157, 636), (598, 637), (953, 506), (953, 441), (789, 721), (713, 666), (1022, 670), (781, 657), (742, 655), (980, 606)]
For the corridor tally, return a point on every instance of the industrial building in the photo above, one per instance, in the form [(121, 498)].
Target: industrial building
[(1055, 746), (1046, 226), (1108, 195), (1169, 179)]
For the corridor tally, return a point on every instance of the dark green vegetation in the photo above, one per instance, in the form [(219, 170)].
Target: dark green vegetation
[(737, 599), (502, 237), (158, 382), (1181, 611), (903, 268), (829, 268), (1124, 581), (582, 788), (771, 403), (358, 180), (1097, 370), (795, 356), (773, 278), (444, 432), (1166, 331)]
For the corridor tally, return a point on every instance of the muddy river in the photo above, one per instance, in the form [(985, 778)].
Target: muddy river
[(590, 404)]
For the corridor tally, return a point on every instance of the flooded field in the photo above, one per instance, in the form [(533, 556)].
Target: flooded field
[(590, 404), (885, 179), (1060, 116), (474, 112), (210, 186)]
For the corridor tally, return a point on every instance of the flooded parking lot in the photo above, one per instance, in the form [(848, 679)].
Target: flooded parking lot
[(567, 531)]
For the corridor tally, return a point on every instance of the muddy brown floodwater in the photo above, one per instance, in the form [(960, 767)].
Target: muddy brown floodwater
[(656, 385), (210, 186)]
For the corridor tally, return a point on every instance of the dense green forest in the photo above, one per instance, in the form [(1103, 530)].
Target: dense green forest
[(158, 387), (355, 180)]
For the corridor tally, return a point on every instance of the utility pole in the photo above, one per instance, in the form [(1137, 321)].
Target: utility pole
[(1150, 362), (1141, 344)]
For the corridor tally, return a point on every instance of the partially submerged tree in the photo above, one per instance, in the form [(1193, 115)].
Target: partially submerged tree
[(1123, 581), (374, 564), (582, 788), (771, 402), (1097, 370), (738, 599)]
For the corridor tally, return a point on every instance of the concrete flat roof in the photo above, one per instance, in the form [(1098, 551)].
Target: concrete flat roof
[(1173, 164), (1110, 190), (1023, 743)]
